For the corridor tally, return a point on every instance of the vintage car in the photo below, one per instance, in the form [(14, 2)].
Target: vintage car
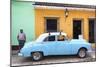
[(55, 43)]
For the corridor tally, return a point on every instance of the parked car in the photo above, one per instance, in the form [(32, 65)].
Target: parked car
[(55, 43)]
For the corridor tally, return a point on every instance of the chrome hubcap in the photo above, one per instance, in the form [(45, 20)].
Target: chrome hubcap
[(36, 56), (82, 53)]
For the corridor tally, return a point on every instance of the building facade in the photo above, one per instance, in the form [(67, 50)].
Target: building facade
[(72, 19)]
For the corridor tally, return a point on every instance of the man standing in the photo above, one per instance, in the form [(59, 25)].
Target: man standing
[(21, 38)]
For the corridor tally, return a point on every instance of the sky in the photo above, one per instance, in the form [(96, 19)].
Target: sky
[(84, 2)]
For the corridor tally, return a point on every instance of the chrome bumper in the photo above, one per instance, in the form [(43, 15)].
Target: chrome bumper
[(20, 54)]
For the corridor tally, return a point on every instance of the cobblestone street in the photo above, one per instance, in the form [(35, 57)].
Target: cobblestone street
[(16, 60)]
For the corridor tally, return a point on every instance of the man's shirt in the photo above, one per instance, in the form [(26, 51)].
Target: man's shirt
[(21, 36)]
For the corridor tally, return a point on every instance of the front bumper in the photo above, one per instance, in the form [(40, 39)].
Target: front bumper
[(24, 55), (20, 54)]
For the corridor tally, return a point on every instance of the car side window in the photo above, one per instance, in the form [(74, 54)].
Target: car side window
[(50, 38), (61, 38)]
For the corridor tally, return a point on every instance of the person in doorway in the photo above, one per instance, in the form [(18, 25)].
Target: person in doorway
[(21, 37)]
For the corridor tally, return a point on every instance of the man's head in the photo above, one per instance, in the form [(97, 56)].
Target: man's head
[(21, 30)]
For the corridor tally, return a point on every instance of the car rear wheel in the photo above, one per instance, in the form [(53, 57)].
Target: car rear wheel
[(37, 56), (82, 53)]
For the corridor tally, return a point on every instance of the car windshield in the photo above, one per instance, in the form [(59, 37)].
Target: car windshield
[(41, 38)]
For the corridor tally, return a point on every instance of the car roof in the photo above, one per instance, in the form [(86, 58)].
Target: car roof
[(44, 35), (54, 33)]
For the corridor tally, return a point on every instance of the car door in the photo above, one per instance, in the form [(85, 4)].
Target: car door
[(49, 45), (63, 46)]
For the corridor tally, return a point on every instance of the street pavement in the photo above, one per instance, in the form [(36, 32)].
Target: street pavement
[(17, 61)]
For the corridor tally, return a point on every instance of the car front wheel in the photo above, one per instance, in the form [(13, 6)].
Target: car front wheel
[(37, 56), (82, 53)]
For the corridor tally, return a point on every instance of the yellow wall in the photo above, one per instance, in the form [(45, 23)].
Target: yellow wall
[(64, 24)]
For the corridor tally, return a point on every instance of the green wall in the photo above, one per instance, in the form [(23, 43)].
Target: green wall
[(22, 18)]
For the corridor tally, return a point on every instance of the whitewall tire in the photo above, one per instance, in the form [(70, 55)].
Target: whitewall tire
[(37, 56), (82, 53)]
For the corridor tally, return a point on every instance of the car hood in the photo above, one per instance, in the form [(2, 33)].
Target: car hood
[(31, 44)]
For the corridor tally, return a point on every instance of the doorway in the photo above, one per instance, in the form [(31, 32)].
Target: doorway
[(77, 28), (51, 25), (92, 30)]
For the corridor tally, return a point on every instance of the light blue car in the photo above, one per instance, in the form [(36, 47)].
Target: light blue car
[(55, 43)]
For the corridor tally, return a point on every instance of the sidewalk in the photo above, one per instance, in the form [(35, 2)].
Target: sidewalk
[(14, 52)]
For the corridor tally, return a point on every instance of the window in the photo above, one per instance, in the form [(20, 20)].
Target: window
[(61, 38), (51, 25), (50, 38)]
